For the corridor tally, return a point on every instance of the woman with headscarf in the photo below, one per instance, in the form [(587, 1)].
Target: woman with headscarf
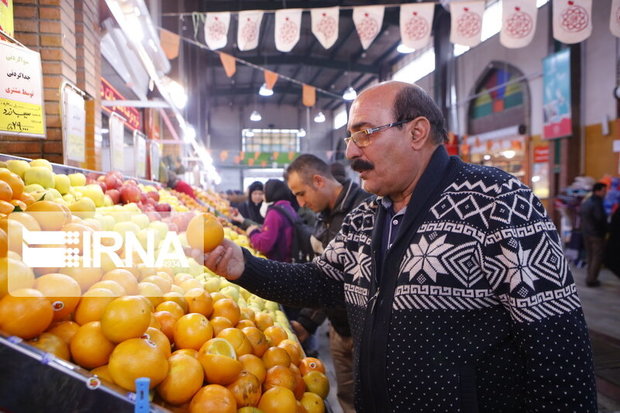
[(275, 238), (250, 209)]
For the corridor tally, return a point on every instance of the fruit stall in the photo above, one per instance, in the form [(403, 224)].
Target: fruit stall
[(104, 306)]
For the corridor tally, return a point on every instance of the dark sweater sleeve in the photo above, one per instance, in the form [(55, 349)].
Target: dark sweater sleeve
[(526, 268)]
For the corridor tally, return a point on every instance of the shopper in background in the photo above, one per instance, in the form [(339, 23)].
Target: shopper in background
[(312, 183), (179, 185), (457, 292), (249, 211), (275, 238), (612, 254), (594, 229)]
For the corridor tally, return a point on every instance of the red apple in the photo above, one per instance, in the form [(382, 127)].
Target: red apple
[(114, 194), (163, 207), (153, 195), (103, 186), (130, 182), (112, 181), (153, 216), (143, 198), (130, 193)]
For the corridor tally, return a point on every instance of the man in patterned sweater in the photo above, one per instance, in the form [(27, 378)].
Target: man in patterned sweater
[(458, 295)]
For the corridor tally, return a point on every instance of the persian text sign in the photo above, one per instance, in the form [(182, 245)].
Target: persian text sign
[(557, 95), (21, 91), (131, 115)]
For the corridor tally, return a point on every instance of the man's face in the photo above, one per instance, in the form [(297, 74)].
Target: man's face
[(257, 196), (309, 195), (387, 163)]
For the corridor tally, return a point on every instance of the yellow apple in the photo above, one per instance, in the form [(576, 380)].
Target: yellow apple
[(77, 179), (94, 192), (84, 208), (62, 183), (18, 166), (39, 175), (43, 163), (33, 188)]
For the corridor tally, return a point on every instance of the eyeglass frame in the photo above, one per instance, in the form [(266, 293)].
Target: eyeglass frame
[(355, 136)]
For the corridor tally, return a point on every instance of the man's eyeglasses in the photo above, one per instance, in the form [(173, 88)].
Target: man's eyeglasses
[(362, 138)]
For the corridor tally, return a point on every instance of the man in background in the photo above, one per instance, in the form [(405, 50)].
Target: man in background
[(594, 229), (314, 186)]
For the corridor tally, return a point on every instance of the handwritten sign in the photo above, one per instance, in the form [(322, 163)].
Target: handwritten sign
[(73, 124), (6, 17), (139, 142), (21, 91), (117, 140)]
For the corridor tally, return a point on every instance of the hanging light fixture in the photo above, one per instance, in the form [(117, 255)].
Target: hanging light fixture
[(265, 91), (349, 94), (319, 118), (255, 116)]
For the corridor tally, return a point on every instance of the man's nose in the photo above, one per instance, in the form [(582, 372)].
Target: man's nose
[(300, 201), (352, 151)]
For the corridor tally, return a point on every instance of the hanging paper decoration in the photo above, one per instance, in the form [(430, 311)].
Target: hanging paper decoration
[(572, 20), (368, 21), (170, 43), (416, 21), (270, 79), (518, 23), (325, 25), (309, 95), (249, 29), (216, 29), (466, 18), (229, 63), (288, 22), (614, 20)]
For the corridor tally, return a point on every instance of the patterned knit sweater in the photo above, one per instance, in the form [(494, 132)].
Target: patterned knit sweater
[(476, 309)]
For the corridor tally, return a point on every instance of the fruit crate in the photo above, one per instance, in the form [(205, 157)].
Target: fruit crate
[(32, 380)]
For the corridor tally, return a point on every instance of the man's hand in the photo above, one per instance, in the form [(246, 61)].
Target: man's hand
[(300, 331), (236, 216), (226, 260)]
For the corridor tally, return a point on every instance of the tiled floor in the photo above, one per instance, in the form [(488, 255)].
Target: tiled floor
[(601, 306)]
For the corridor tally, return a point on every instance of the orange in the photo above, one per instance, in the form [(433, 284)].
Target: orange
[(150, 291), (276, 356), (80, 229), (308, 364), (204, 232), (51, 343), (92, 305), (187, 351), (199, 301), (172, 307), (166, 321), (14, 230), (246, 389), (159, 339), (63, 291), (263, 320), (245, 323), (51, 216), (136, 358), (238, 340), (15, 182), (111, 285), (279, 376), (17, 203), (278, 400), (190, 284), (293, 349), (14, 275), (184, 379), (228, 308), (219, 361), (26, 198), (64, 329), (317, 382), (192, 331), (216, 296), (103, 372), (219, 324), (313, 403), (275, 334), (125, 278), (213, 398), (89, 347), (154, 322), (300, 385), (180, 277), (6, 193), (126, 317), (25, 313), (163, 283), (4, 243), (26, 220), (85, 276), (6, 207), (248, 314), (254, 365), (177, 298)]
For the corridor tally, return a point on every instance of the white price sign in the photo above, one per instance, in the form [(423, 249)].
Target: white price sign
[(140, 153), (117, 140)]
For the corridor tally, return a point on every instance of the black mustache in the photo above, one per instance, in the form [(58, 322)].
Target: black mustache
[(360, 165)]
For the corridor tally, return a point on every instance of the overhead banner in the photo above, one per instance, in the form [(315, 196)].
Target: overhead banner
[(518, 23), (325, 25), (249, 29), (572, 20), (368, 21), (216, 29), (416, 22), (6, 17), (287, 28), (21, 91), (466, 18), (73, 124), (614, 18), (557, 121)]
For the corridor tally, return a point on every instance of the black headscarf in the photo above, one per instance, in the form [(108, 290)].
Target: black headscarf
[(249, 209), (276, 190)]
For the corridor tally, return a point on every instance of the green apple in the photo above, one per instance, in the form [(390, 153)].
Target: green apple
[(160, 227), (39, 175), (141, 219), (33, 188), (212, 284), (271, 305), (18, 166), (83, 208), (106, 221), (62, 183), (93, 223), (69, 198), (77, 179), (126, 226), (231, 291), (43, 163), (107, 200), (52, 195), (94, 192)]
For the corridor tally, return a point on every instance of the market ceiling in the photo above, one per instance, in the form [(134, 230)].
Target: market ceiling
[(331, 70)]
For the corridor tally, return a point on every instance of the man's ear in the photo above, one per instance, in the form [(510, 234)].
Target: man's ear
[(420, 132), (318, 181)]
